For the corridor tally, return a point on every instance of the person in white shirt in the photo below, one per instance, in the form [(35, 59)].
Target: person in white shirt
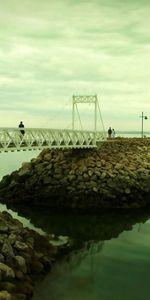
[(113, 133)]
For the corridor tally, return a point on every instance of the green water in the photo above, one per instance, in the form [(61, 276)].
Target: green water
[(116, 269)]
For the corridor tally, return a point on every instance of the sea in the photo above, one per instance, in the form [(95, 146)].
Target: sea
[(110, 256), (131, 134)]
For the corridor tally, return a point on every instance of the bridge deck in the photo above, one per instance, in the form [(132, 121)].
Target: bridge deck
[(11, 139)]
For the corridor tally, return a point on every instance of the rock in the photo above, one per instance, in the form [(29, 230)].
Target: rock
[(3, 238), (85, 176), (7, 286), (71, 177), (14, 229), (3, 225), (127, 191), (47, 180), (3, 228), (37, 267), (7, 272), (5, 181), (97, 173), (2, 258), (13, 184), (90, 172), (60, 178), (12, 238), (4, 295), (103, 175), (26, 165), (7, 250), (64, 181), (95, 189), (103, 162), (39, 169), (6, 216), (21, 173), (20, 245), (48, 157), (118, 166), (19, 274), (57, 176), (21, 263)]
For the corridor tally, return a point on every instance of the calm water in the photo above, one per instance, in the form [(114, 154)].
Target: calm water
[(116, 269), (111, 255), (12, 161), (131, 134), (110, 260)]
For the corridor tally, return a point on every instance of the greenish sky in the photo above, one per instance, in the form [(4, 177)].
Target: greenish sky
[(50, 50)]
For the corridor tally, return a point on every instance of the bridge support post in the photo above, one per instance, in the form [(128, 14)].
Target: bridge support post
[(73, 112), (95, 118)]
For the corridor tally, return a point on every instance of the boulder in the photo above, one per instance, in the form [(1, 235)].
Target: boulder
[(7, 272)]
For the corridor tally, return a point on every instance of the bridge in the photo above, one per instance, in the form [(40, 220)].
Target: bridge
[(12, 139)]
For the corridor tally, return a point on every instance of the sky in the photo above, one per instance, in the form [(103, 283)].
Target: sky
[(51, 50)]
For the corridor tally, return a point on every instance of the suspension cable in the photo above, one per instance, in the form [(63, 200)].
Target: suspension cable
[(79, 118), (100, 115)]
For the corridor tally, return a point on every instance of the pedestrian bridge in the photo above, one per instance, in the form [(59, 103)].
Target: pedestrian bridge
[(12, 139)]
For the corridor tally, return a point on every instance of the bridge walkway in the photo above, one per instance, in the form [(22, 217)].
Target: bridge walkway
[(11, 139)]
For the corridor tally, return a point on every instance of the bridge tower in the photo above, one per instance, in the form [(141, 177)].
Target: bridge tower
[(97, 113)]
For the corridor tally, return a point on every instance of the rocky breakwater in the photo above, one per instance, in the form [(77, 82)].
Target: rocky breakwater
[(116, 174), (25, 256)]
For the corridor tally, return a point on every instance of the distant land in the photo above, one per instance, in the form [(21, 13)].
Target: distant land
[(132, 132)]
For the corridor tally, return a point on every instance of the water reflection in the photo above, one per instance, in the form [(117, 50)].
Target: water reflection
[(25, 221), (110, 260), (102, 226), (113, 269)]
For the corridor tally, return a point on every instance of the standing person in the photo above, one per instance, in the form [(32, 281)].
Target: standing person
[(109, 132), (113, 133), (21, 125)]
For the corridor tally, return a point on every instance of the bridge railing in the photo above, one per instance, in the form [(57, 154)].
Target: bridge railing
[(12, 139)]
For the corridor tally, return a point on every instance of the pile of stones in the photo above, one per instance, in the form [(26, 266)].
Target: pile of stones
[(116, 174), (25, 257)]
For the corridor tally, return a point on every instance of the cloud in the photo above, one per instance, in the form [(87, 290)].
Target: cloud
[(52, 50)]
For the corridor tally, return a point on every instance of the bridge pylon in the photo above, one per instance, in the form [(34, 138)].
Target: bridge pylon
[(90, 99)]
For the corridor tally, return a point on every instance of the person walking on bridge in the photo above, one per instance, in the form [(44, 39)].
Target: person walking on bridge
[(21, 125)]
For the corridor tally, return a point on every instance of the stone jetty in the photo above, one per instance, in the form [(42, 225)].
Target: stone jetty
[(114, 175), (25, 257)]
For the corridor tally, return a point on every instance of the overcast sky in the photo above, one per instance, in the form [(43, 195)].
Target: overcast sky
[(50, 50)]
